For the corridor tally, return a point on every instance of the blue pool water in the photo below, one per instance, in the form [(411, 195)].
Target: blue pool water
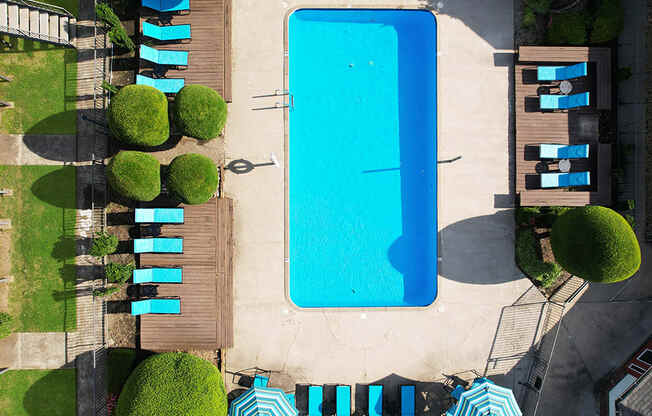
[(362, 158)]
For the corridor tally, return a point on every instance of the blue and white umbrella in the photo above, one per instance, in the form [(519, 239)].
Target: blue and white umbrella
[(484, 398), (262, 401)]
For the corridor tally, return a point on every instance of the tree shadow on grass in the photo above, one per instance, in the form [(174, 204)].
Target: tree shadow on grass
[(54, 188), (52, 395)]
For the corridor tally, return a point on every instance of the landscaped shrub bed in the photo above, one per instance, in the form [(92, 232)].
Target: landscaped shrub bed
[(135, 175), (118, 273), (596, 244), (609, 21), (138, 115), (193, 178), (199, 112), (567, 29), (530, 260), (173, 384)]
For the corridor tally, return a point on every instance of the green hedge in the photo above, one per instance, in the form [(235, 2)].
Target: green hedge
[(117, 32), (609, 21), (199, 112), (530, 262), (596, 244), (173, 384), (567, 29), (193, 178), (119, 273), (6, 324), (138, 115), (103, 244), (135, 175)]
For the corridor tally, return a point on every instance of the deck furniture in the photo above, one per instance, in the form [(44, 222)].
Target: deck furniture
[(560, 73), (158, 275), (173, 32), (6, 192), (562, 180), (165, 85), (158, 245), (156, 306), (343, 400), (167, 5), (563, 151), (159, 215), (407, 400), (164, 57), (260, 381), (565, 87), (564, 165), (457, 392), (375, 400), (563, 102), (315, 400)]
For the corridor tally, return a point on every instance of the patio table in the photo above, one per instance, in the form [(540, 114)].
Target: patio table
[(566, 87), (564, 165)]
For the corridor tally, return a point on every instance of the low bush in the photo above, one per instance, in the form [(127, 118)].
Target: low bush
[(596, 244), (539, 6), (527, 215), (103, 244), (529, 19), (138, 115), (117, 32), (567, 29), (173, 384), (118, 273), (530, 262), (135, 175), (6, 324), (105, 291), (609, 21), (199, 112), (193, 178)]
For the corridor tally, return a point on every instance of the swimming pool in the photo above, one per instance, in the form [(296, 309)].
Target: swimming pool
[(362, 171)]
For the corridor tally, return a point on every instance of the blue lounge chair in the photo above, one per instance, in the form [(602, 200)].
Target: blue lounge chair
[(164, 57), (165, 85), (561, 180), (167, 5), (375, 400), (157, 306), (159, 215), (562, 102), (562, 151), (560, 73), (158, 275), (174, 32), (315, 400), (158, 245), (260, 381), (407, 400), (343, 400)]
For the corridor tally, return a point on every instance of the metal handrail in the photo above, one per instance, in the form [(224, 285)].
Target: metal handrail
[(43, 6)]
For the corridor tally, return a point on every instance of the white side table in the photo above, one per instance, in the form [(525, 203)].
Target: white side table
[(566, 87), (564, 165)]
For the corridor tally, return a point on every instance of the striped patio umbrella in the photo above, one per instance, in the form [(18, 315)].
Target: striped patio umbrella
[(484, 398), (262, 401)]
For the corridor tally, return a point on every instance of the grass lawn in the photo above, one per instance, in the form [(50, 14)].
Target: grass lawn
[(38, 392), (42, 212), (43, 88)]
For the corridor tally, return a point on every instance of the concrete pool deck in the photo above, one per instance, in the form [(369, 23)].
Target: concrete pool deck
[(477, 272)]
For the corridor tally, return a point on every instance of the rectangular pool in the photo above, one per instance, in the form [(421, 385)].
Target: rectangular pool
[(362, 166)]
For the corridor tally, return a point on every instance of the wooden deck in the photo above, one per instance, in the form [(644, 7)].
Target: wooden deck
[(534, 127), (206, 319), (209, 60)]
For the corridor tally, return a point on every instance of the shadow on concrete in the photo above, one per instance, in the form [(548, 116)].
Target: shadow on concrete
[(479, 250), (53, 394)]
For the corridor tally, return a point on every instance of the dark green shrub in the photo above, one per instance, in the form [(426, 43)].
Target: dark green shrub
[(173, 384), (529, 19), (530, 262), (138, 115), (105, 291), (103, 244), (623, 74), (107, 86), (549, 215), (117, 32), (193, 178), (199, 112), (596, 244), (609, 21), (118, 273), (135, 175), (121, 362), (539, 6), (6, 324), (527, 215), (567, 29)]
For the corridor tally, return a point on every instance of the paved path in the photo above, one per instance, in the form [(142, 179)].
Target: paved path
[(30, 350), (46, 149)]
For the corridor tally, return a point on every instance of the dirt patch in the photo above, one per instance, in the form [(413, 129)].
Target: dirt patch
[(206, 355), (121, 325)]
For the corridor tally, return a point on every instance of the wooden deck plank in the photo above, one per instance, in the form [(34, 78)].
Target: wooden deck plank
[(206, 319), (209, 59)]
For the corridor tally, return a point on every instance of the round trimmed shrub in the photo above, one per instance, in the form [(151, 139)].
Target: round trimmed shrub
[(135, 175), (193, 178), (173, 384), (567, 29), (199, 112), (596, 244), (138, 115)]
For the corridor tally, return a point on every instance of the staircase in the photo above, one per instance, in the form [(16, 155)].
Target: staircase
[(36, 20)]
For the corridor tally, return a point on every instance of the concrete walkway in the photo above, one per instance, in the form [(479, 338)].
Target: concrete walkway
[(33, 350), (19, 149)]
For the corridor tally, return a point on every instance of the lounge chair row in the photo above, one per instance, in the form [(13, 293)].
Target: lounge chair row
[(343, 400)]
